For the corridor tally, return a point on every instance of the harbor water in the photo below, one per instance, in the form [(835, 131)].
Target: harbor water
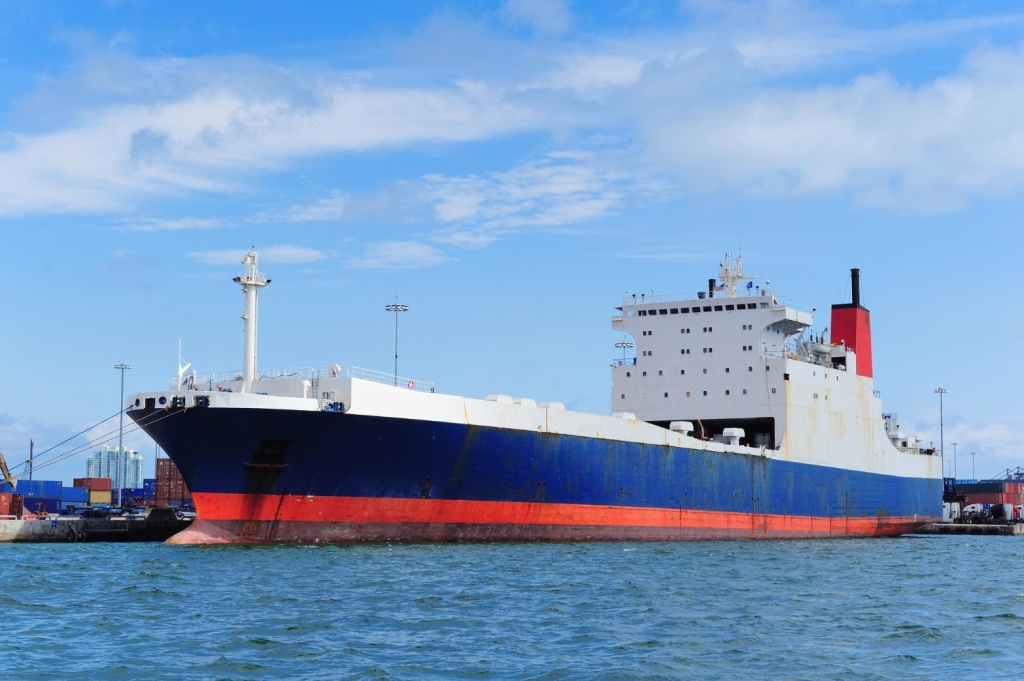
[(915, 607)]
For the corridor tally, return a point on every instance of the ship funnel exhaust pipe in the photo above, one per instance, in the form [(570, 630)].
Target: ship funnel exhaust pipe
[(711, 288), (855, 283)]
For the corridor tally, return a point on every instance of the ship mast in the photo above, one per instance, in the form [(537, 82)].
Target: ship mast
[(252, 281), (731, 276)]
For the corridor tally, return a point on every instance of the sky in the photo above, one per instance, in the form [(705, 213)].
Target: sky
[(509, 170)]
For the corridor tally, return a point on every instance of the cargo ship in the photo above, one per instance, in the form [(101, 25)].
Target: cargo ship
[(732, 421)]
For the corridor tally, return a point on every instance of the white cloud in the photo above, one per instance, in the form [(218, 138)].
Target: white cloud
[(391, 255), (559, 190), (171, 225), (214, 135), (284, 254), (927, 147), (330, 208), (709, 106)]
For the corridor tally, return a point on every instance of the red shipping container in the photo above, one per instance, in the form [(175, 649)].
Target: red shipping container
[(17, 505), (5, 503), (93, 484)]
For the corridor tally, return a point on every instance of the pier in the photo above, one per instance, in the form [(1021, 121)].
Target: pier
[(987, 529)]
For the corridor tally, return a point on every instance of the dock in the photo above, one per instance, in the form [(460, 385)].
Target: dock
[(977, 529), (76, 529)]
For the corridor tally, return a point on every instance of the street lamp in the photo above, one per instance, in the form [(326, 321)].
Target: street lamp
[(954, 458), (942, 448), (120, 432), (974, 476), (396, 308), (624, 344)]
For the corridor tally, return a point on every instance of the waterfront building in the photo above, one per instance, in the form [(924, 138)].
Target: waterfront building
[(123, 466)]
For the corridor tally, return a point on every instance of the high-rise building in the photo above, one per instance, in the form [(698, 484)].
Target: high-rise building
[(123, 467)]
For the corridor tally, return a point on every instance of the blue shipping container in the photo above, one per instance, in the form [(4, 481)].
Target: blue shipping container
[(49, 489), (74, 495), (41, 505)]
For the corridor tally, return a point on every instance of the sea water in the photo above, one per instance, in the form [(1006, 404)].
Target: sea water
[(907, 608)]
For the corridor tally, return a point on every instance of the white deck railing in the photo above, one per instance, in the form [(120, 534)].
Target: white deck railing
[(210, 380)]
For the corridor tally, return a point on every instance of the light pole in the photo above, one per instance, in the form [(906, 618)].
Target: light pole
[(624, 344), (954, 458), (120, 432), (974, 476), (396, 308), (942, 448)]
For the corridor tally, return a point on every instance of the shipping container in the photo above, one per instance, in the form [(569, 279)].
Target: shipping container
[(93, 484), (987, 487), (5, 503), (41, 505), (75, 495), (99, 497), (984, 498), (49, 489), (17, 505)]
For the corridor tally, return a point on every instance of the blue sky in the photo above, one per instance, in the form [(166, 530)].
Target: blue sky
[(509, 170)]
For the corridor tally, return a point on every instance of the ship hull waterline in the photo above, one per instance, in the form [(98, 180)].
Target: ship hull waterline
[(272, 476)]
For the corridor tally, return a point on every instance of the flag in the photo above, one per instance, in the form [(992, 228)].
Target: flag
[(750, 284), (720, 287)]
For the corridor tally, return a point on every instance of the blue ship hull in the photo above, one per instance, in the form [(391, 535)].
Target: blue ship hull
[(282, 475)]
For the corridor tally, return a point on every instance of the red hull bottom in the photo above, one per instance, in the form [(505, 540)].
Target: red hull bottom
[(258, 519)]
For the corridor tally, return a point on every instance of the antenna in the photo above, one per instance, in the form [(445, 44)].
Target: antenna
[(181, 369)]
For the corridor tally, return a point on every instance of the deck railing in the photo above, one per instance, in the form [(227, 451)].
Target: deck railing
[(213, 379)]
